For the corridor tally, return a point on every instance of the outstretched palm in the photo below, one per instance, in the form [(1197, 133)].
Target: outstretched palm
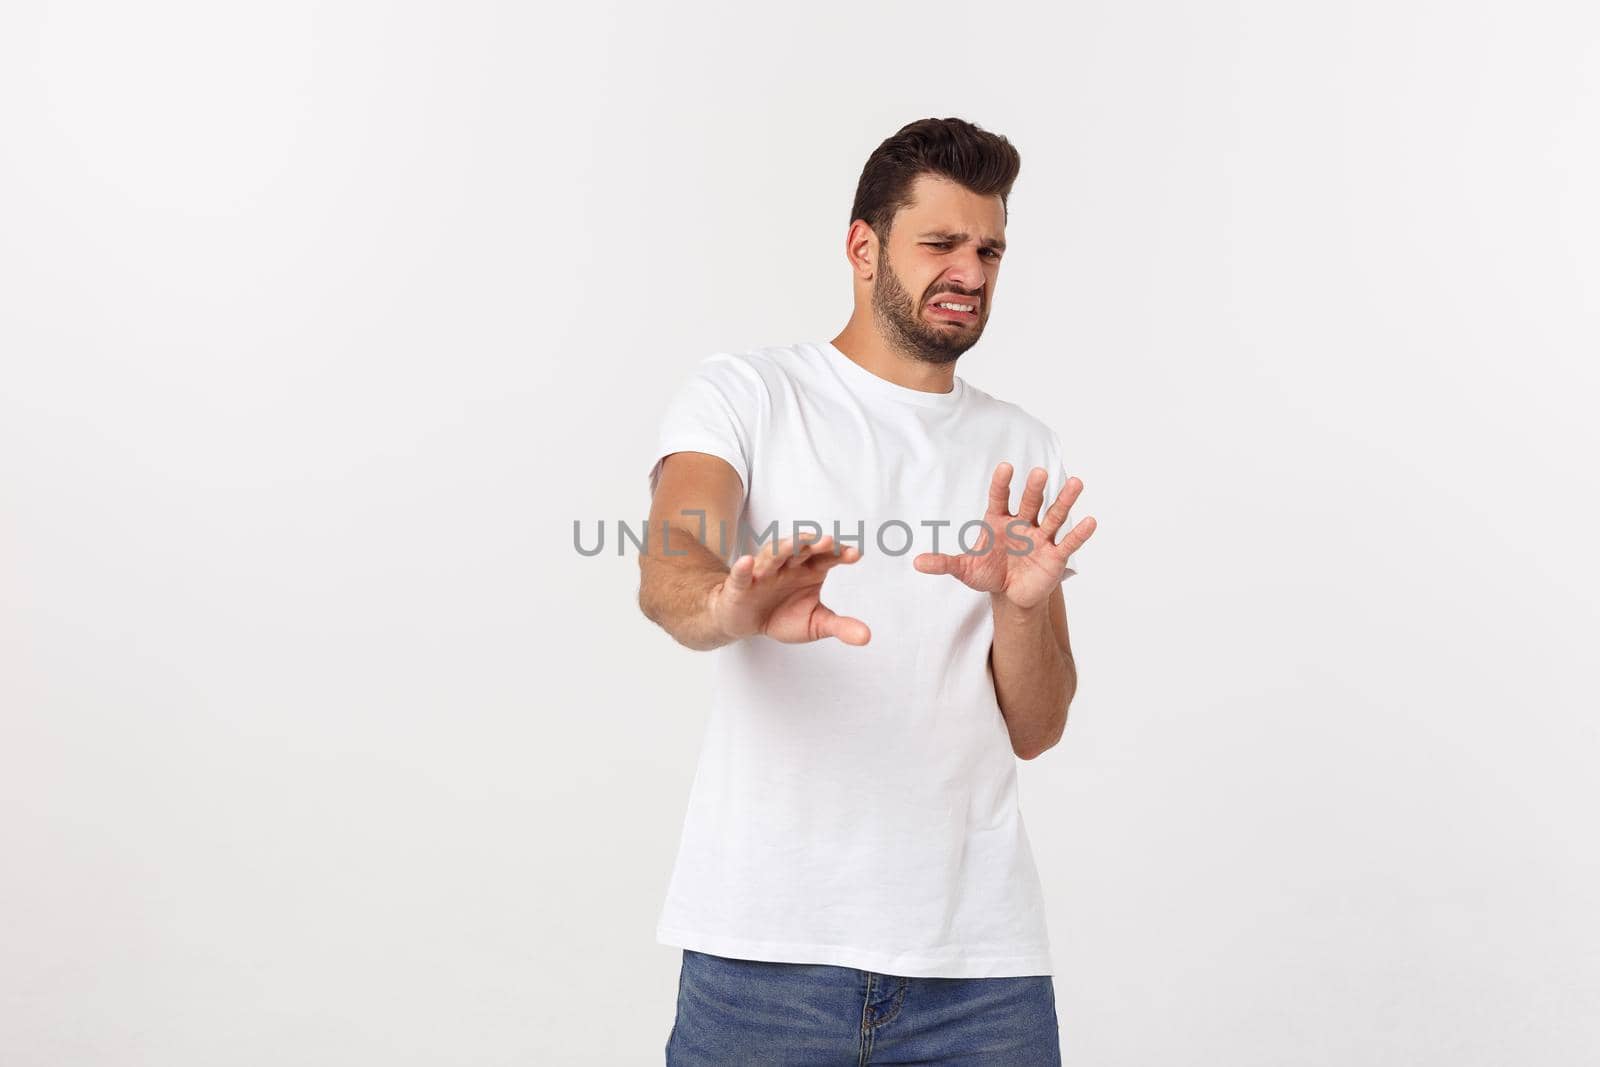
[(1001, 562), (779, 594)]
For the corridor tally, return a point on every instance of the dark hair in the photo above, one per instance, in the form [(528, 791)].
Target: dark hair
[(984, 162)]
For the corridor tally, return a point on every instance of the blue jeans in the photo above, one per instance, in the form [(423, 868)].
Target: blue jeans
[(744, 1013)]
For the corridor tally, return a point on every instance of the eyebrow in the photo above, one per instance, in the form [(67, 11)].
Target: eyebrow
[(988, 242)]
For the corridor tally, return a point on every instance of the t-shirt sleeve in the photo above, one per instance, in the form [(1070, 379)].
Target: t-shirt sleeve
[(717, 411), (1056, 465)]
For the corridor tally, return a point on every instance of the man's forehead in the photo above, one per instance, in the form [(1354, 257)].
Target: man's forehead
[(944, 211)]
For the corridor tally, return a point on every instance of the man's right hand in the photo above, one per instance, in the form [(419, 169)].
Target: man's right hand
[(691, 592), (777, 592)]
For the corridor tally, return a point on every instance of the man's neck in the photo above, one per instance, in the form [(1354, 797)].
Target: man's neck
[(863, 345)]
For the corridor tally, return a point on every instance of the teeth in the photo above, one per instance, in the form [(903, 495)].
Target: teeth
[(955, 307)]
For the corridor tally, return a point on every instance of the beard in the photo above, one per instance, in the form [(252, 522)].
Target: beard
[(900, 318)]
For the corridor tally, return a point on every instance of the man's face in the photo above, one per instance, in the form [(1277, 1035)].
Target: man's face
[(944, 247)]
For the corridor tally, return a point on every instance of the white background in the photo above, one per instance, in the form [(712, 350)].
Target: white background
[(321, 323)]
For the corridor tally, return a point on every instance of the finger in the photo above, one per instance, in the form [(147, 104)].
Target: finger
[(822, 561), (1032, 496), (770, 558), (1076, 536), (825, 622), (813, 545), (938, 563), (801, 549), (1000, 491), (1057, 514)]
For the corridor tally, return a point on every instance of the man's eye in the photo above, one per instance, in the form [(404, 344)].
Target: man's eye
[(946, 244)]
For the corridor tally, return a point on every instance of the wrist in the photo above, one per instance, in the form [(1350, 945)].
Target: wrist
[(709, 599), (1006, 609)]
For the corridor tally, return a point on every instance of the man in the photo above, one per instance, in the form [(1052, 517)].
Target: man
[(854, 883)]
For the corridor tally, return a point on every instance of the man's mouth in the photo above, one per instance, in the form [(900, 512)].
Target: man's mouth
[(954, 310)]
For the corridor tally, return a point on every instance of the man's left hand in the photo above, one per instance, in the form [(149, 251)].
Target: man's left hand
[(1002, 562)]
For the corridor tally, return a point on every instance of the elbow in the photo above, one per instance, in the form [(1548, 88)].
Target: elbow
[(1058, 724), (643, 601), (1034, 752), (656, 603), (649, 601), (1039, 746)]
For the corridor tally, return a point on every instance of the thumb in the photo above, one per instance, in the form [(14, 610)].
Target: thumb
[(939, 563), (825, 622), (741, 574)]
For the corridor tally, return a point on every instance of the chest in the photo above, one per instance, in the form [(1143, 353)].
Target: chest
[(930, 471)]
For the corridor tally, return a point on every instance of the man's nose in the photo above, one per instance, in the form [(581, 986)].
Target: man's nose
[(968, 273)]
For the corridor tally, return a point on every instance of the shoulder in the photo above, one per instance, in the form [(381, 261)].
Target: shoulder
[(767, 368), (760, 380)]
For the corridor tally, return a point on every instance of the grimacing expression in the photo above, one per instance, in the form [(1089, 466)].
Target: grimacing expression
[(910, 325)]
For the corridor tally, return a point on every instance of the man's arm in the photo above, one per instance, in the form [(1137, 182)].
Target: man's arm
[(1034, 673), (675, 590), (1031, 657)]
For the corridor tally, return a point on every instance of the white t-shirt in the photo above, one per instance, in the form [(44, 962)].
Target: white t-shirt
[(857, 805)]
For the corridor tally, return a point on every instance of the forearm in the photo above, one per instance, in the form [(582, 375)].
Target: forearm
[(1034, 676), (675, 590)]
